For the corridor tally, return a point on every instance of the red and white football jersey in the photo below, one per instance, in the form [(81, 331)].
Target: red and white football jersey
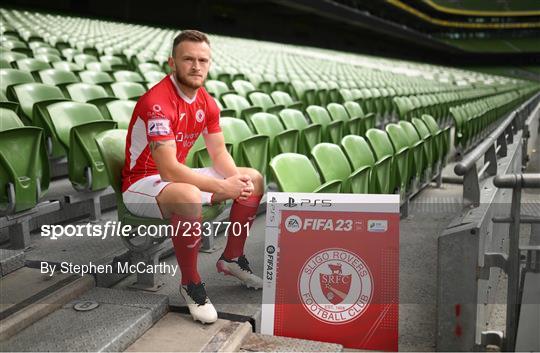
[(163, 113)]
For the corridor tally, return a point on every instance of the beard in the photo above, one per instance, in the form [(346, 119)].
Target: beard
[(185, 82)]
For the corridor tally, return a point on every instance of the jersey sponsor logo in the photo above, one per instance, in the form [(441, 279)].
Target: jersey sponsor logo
[(156, 107), (159, 127), (335, 285), (199, 116)]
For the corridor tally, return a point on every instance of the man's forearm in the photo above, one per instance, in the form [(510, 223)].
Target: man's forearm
[(180, 173), (224, 164)]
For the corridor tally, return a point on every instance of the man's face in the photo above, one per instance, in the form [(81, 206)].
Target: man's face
[(190, 63)]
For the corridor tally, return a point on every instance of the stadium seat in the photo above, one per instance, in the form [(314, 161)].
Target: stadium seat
[(351, 125), (241, 106), (230, 113), (67, 65), (9, 119), (384, 160), (145, 67), (284, 98), (32, 96), (32, 65), (400, 142), (127, 90), (11, 57), (86, 92), (96, 77), (305, 92), (114, 62), (119, 110), (244, 88), (281, 140), (217, 88), (332, 131), (98, 67), (367, 120), (430, 145), (10, 77), (57, 77), (332, 164), (127, 76), (112, 145), (441, 136), (198, 156), (295, 173), (418, 169), (310, 134), (83, 59), (248, 149), (75, 125), (263, 100), (360, 155)]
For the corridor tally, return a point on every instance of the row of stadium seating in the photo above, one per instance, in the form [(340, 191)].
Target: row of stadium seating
[(367, 124)]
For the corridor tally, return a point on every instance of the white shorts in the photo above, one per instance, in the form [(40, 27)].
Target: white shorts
[(140, 198)]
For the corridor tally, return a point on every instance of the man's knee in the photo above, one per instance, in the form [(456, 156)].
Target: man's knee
[(181, 198), (257, 180)]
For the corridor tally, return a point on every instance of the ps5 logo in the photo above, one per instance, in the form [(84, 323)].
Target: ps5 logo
[(308, 202)]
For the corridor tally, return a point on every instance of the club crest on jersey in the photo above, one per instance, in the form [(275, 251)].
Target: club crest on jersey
[(335, 286), (159, 127), (199, 115)]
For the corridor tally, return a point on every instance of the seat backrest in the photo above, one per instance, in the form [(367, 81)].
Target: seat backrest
[(318, 115), (9, 120), (267, 124), (410, 132), (431, 124), (11, 56), (10, 77), (260, 99), (236, 102), (143, 67), (294, 173), (31, 64), (112, 147), (234, 130), (357, 150), (354, 109), (57, 76), (380, 143), (398, 137), (95, 77), (67, 65), (127, 90), (84, 92), (421, 127), (83, 59), (243, 87), (29, 94), (282, 98), (331, 161), (216, 87), (65, 115), (293, 119), (121, 111), (127, 76), (337, 112)]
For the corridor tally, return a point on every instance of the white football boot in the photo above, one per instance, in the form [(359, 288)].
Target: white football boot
[(200, 307), (240, 269)]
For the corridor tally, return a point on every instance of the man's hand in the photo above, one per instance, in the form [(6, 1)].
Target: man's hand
[(238, 185), (247, 191)]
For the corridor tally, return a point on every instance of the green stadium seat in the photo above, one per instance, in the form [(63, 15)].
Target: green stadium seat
[(241, 106), (96, 77), (263, 100), (127, 90), (32, 96), (46, 50), (441, 137), (119, 110), (67, 66), (295, 173), (75, 126), (4, 64), (128, 76), (82, 59), (248, 149), (32, 65), (284, 98), (350, 125), (112, 145), (418, 169), (10, 77), (404, 164), (305, 92), (98, 67), (332, 164), (48, 58), (243, 87), (360, 156), (217, 88), (198, 156), (9, 119), (281, 140), (114, 62), (86, 92), (355, 111), (230, 113), (24, 169), (57, 77), (145, 67), (11, 57), (310, 134), (153, 77), (384, 160), (430, 145), (332, 130)]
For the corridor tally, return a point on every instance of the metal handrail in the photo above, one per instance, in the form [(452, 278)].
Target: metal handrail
[(495, 145), (510, 181)]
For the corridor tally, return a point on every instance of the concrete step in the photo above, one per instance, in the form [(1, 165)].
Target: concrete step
[(28, 295), (115, 320), (10, 260), (256, 342), (177, 332)]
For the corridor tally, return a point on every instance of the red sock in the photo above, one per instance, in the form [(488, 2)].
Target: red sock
[(187, 246), (242, 212)]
